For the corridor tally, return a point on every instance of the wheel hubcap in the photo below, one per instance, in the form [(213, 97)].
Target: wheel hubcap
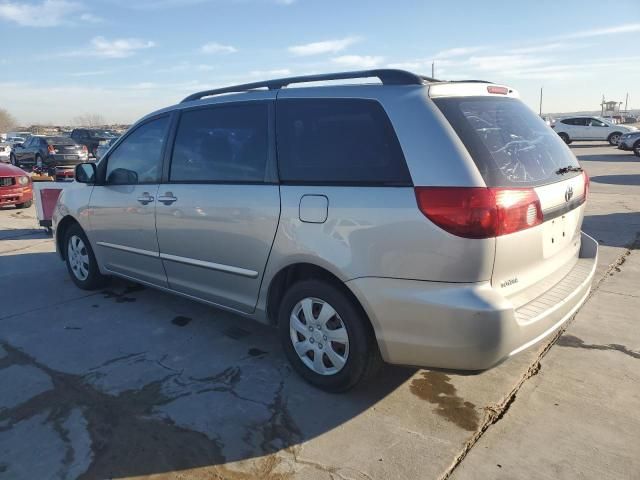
[(78, 258), (319, 336)]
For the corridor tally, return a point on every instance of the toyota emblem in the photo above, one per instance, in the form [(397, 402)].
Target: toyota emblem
[(568, 194)]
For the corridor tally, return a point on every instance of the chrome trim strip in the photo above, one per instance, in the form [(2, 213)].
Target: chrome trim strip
[(210, 265), (139, 251)]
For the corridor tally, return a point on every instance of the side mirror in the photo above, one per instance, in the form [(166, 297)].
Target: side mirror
[(86, 173)]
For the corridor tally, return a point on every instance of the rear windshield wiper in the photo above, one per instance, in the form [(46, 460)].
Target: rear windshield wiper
[(570, 168)]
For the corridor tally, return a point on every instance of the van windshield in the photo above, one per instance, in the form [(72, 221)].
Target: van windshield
[(509, 143)]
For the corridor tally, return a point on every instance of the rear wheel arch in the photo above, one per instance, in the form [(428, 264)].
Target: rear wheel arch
[(296, 272)]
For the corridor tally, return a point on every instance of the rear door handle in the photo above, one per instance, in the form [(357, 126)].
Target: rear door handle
[(145, 199), (167, 198)]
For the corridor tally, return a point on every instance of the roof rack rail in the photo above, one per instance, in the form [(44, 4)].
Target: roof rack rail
[(386, 76)]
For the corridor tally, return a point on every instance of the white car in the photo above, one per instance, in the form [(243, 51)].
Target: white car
[(590, 128), (5, 152)]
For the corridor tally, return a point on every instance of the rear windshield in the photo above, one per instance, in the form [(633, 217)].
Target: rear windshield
[(60, 141), (509, 143)]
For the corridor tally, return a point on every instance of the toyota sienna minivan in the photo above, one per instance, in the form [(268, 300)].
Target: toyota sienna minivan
[(412, 221)]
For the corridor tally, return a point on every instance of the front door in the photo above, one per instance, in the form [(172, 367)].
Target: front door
[(217, 215), (122, 209)]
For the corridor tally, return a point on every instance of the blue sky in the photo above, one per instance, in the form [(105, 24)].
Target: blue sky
[(124, 58)]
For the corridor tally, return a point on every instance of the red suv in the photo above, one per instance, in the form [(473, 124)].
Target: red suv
[(15, 187)]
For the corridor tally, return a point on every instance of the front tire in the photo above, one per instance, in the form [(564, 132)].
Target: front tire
[(565, 138), (614, 138), (326, 336), (636, 149), (26, 204), (80, 260)]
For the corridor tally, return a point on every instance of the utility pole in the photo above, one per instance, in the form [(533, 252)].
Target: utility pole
[(433, 69), (540, 101), (626, 103)]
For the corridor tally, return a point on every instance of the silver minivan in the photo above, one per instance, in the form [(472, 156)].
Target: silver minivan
[(411, 221)]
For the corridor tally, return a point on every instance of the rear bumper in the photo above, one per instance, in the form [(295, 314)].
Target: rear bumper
[(467, 326)]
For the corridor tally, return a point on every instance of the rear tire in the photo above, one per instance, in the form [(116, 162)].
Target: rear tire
[(26, 204), (565, 138), (352, 356), (12, 160), (636, 149), (614, 138), (80, 260)]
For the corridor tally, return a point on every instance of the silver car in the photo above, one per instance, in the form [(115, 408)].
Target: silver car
[(412, 221)]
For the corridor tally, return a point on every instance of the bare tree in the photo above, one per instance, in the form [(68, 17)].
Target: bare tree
[(89, 120), (7, 121)]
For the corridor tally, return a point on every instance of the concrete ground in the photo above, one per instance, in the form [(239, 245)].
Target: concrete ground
[(129, 382)]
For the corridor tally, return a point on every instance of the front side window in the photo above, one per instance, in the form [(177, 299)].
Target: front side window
[(597, 123), (222, 144), (138, 159), (338, 141)]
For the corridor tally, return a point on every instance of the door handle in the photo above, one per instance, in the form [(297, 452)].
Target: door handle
[(145, 199), (167, 198)]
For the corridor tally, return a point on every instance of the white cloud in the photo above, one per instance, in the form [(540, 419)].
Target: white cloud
[(358, 61), (214, 47), (598, 32), (407, 65), (118, 48), (281, 72), (458, 52), (90, 18), (325, 46), (498, 62), (48, 13)]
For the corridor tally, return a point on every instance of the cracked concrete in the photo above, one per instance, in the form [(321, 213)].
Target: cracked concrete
[(130, 382)]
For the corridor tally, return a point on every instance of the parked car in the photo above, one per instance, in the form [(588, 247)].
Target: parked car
[(91, 138), (48, 152), (589, 128), (5, 152), (104, 146), (15, 140), (386, 222), (629, 141), (15, 187)]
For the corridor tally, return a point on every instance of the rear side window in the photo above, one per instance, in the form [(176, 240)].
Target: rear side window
[(509, 143), (579, 122), (338, 141), (222, 144)]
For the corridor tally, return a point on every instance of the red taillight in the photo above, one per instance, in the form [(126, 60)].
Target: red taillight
[(51, 150), (587, 183), (479, 212)]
